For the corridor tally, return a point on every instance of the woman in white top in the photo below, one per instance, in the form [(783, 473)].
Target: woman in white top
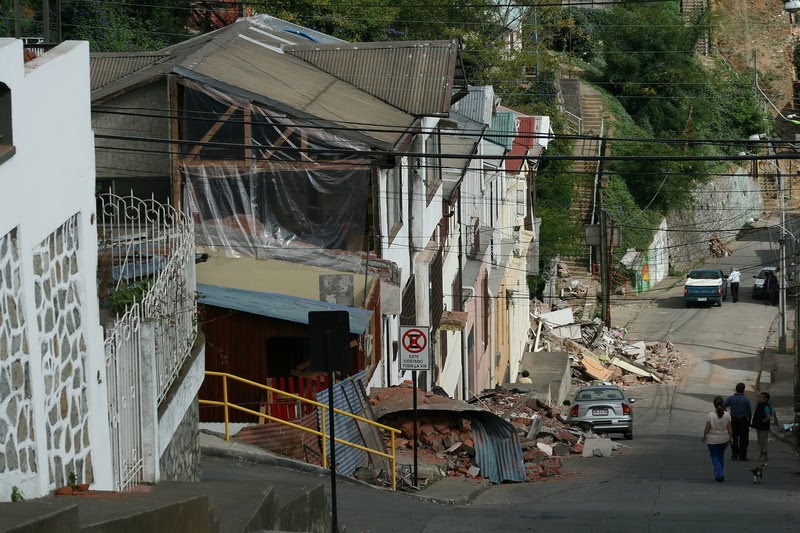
[(717, 435)]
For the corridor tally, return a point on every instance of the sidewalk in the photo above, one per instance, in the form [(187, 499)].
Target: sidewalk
[(777, 378), (446, 491)]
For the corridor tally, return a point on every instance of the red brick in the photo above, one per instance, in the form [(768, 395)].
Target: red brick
[(66, 490), (522, 420), (552, 462), (442, 427), (578, 448), (534, 456), (428, 429), (468, 441)]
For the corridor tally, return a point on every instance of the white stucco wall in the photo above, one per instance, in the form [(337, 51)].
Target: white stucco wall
[(48, 187)]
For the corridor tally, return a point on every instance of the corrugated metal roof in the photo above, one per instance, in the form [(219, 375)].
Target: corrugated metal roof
[(249, 63), (460, 139), (478, 104), (415, 76), (108, 67), (281, 306), (347, 397), (503, 129), (524, 140)]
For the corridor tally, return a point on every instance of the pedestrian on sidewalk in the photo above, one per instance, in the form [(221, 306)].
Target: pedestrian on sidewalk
[(733, 279), (761, 420), (716, 435), (771, 283), (741, 412)]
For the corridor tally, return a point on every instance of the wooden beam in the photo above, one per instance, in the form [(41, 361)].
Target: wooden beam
[(174, 135), (214, 129), (248, 131)]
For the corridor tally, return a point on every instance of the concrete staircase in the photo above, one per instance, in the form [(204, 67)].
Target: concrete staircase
[(591, 114), (205, 507)]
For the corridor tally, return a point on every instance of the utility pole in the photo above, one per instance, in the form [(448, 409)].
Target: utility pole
[(796, 390), (782, 289), (605, 256), (17, 20), (46, 21)]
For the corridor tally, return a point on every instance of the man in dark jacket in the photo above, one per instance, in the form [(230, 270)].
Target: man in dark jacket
[(741, 413)]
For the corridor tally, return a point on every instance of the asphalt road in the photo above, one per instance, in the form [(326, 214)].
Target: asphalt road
[(663, 481)]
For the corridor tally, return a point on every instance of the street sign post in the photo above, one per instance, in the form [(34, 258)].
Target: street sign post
[(415, 355), (329, 344)]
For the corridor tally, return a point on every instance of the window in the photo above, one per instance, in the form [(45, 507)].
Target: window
[(394, 201), (6, 131), (433, 165)]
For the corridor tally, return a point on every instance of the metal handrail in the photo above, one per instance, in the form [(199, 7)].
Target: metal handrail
[(226, 405), (576, 119)]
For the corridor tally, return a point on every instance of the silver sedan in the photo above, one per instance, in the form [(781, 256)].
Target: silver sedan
[(602, 408)]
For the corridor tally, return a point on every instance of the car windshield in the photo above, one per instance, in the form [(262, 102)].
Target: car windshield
[(762, 274), (704, 274), (599, 394)]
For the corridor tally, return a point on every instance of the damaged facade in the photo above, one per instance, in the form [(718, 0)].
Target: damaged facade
[(289, 149)]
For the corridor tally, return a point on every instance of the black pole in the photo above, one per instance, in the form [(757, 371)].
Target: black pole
[(332, 433), (46, 21), (414, 408), (17, 19)]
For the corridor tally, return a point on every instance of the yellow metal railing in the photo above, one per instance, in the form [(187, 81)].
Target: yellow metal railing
[(323, 412)]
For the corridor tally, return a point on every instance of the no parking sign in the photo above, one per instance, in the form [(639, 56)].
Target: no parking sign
[(414, 348)]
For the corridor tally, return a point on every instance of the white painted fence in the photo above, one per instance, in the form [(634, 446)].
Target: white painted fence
[(147, 274)]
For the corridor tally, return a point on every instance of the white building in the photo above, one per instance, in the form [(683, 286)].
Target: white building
[(80, 404), (53, 401)]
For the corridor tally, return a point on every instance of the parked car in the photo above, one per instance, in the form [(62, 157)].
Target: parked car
[(602, 408), (705, 285), (759, 291)]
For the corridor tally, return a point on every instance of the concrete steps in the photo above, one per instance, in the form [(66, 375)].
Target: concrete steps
[(204, 507), (591, 113)]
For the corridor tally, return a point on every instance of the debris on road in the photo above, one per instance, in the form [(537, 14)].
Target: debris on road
[(598, 353), (447, 437)]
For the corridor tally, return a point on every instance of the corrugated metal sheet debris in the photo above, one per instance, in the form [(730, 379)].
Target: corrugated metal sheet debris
[(498, 451), (347, 396)]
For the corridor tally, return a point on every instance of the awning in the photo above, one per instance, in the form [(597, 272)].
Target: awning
[(281, 306)]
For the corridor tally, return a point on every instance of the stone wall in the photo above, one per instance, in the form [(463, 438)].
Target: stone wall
[(720, 207), (181, 459), (59, 314), (17, 446)]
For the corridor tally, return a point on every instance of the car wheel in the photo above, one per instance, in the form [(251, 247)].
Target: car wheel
[(719, 303), (629, 434)]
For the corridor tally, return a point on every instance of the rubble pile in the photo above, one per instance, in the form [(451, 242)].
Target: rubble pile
[(446, 446), (717, 247), (598, 353)]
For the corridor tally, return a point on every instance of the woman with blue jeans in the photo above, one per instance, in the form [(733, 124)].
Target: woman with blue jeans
[(717, 434)]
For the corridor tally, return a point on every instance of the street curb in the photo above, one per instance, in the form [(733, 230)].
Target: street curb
[(478, 489)]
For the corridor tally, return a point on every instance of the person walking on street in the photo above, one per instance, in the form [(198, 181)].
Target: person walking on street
[(716, 435), (771, 283), (741, 412), (761, 419), (733, 279)]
